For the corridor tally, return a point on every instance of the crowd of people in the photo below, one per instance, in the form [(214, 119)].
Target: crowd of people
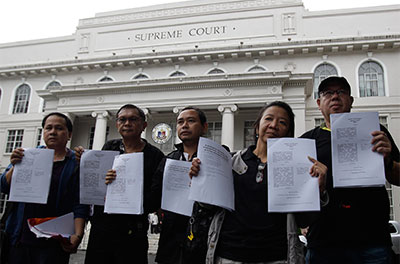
[(249, 234)]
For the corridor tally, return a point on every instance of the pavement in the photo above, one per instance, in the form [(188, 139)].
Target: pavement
[(79, 258)]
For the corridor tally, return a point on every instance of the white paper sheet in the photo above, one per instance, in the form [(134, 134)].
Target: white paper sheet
[(176, 187), (214, 184), (61, 226), (125, 193), (93, 169), (30, 182), (353, 161), (290, 185)]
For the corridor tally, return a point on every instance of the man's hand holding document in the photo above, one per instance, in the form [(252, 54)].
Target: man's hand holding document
[(214, 183)]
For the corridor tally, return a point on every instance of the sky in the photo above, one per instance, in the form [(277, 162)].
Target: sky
[(35, 19)]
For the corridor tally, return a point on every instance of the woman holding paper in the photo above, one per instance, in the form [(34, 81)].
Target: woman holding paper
[(250, 234)]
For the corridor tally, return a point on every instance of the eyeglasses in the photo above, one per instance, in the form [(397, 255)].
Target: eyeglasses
[(122, 120), (260, 173), (330, 93)]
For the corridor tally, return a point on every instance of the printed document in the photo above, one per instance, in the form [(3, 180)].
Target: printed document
[(176, 187), (290, 185), (93, 169), (353, 161), (125, 194), (214, 184), (30, 182), (58, 226)]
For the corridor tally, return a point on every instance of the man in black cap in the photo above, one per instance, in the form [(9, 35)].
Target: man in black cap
[(353, 227)]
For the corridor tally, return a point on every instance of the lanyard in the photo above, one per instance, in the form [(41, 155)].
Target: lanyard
[(323, 126)]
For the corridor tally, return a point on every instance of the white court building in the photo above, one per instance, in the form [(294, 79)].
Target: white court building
[(227, 57)]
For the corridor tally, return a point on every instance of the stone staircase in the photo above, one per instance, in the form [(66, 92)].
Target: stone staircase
[(153, 242)]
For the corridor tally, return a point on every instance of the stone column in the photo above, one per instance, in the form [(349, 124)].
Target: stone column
[(300, 121), (100, 129), (72, 118), (228, 124), (176, 111), (146, 114)]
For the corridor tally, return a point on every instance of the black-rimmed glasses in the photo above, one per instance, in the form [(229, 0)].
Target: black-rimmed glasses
[(130, 119), (330, 93)]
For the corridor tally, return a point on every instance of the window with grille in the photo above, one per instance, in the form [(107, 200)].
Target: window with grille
[(248, 133), (14, 139), (91, 136), (370, 76), (383, 121), (3, 201), (50, 85), (39, 137), (140, 76), (318, 121), (177, 74), (21, 99), (214, 131), (322, 72), (216, 71), (106, 79), (389, 190), (257, 68)]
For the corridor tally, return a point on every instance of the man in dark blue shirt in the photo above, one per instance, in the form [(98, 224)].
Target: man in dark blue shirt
[(63, 198)]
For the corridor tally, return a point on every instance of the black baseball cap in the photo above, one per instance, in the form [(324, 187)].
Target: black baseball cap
[(334, 81)]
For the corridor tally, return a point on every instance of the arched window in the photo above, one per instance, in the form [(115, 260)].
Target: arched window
[(21, 100), (323, 71), (216, 71), (53, 84), (106, 79), (257, 68), (50, 85), (177, 74), (370, 76), (140, 76)]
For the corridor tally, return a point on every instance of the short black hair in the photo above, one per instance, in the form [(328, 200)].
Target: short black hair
[(280, 104), (131, 106), (68, 122), (334, 81), (202, 115)]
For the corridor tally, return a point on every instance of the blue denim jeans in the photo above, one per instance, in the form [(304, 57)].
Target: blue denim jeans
[(359, 255)]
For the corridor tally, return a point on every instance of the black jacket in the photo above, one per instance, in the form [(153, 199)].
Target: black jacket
[(115, 228), (174, 226)]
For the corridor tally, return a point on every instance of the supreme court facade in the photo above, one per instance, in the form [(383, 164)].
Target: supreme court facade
[(226, 57)]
